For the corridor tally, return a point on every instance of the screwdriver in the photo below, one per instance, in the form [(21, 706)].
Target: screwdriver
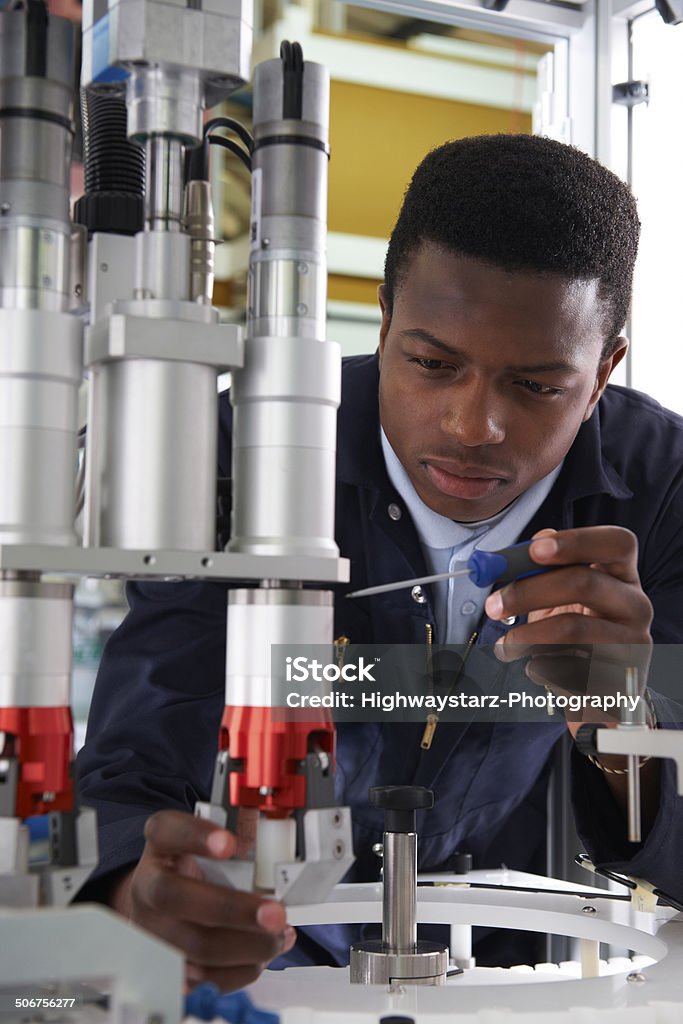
[(484, 568)]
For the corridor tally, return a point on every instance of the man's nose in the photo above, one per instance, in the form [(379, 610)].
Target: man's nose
[(474, 416)]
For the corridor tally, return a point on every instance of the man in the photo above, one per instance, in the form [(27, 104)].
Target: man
[(507, 284)]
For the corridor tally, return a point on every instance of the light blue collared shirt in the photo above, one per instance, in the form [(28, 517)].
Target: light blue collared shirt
[(458, 603)]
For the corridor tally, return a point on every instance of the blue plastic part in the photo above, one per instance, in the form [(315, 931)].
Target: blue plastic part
[(485, 567), (207, 1002), (201, 1001), (504, 566), (38, 827)]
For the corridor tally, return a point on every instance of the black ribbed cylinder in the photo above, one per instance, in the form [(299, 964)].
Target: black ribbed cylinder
[(114, 167)]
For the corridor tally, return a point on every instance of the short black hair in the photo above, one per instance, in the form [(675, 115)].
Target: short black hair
[(522, 203)]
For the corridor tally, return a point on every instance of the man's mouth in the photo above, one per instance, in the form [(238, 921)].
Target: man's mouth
[(468, 482)]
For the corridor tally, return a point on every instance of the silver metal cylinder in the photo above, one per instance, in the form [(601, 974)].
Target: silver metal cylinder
[(35, 644), (162, 265), (372, 964), (287, 274), (58, 57), (164, 100), (164, 157), (40, 373), (284, 441), (151, 480), (287, 295), (40, 346), (399, 896), (36, 115), (259, 618), (36, 129), (35, 153), (34, 264), (286, 395)]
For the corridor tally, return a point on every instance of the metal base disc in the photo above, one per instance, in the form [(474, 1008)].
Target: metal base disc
[(373, 963)]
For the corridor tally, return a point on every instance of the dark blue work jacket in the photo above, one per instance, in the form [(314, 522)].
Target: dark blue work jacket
[(159, 696)]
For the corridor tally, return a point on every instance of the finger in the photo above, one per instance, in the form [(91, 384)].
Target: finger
[(582, 676), (585, 699), (231, 978), (221, 947), (563, 672), (613, 548), (189, 899), (615, 640), (602, 665), (174, 833), (607, 597)]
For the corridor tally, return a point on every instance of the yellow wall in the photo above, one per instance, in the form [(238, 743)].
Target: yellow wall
[(352, 289), (378, 137)]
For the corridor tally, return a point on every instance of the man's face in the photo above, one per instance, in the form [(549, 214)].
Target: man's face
[(486, 377)]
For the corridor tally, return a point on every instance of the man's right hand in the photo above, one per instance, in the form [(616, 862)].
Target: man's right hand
[(227, 936)]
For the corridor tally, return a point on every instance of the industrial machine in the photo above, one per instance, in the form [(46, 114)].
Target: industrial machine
[(139, 271)]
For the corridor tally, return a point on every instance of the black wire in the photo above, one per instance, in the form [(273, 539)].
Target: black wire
[(197, 162), (661, 895), (583, 860), (229, 122), (218, 140)]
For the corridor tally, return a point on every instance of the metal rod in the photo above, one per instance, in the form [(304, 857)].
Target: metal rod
[(384, 588), (399, 908), (164, 183), (633, 767)]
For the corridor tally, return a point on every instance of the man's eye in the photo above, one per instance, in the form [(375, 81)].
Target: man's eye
[(539, 389), (428, 364)]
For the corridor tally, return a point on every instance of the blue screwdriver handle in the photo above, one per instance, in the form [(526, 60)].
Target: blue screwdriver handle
[(504, 566)]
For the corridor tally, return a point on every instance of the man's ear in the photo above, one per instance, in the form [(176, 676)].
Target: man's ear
[(605, 369), (386, 319)]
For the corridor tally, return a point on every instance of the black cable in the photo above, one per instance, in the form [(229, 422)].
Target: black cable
[(230, 122), (197, 162), (197, 158), (218, 140), (292, 58), (584, 861)]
